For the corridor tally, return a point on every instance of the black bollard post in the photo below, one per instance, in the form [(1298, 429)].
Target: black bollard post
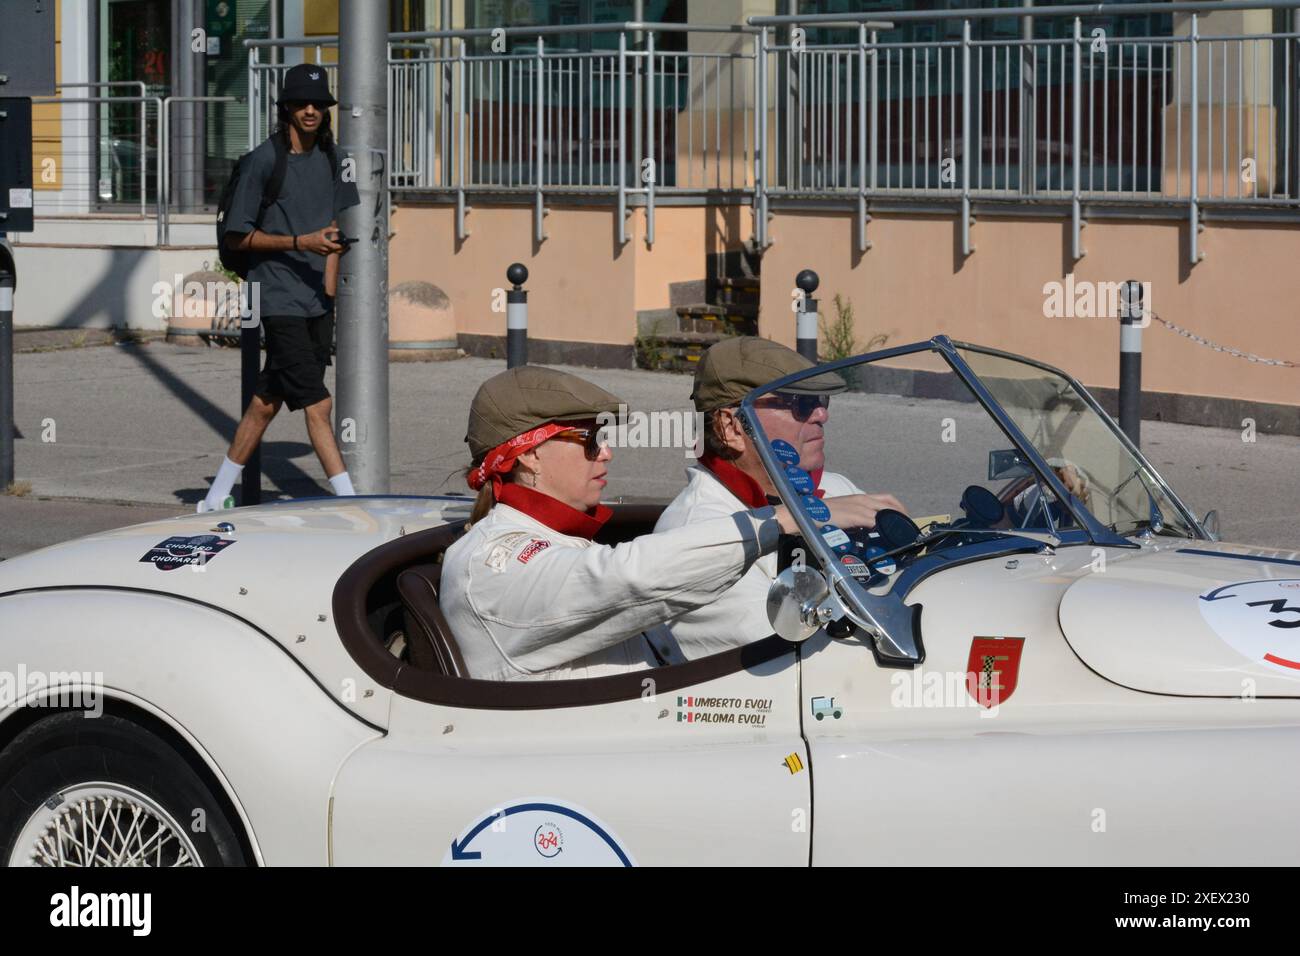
[(6, 373), (1130, 360), (250, 357), (805, 330), (517, 317)]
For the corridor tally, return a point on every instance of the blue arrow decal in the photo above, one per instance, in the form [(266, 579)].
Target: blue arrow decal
[(1216, 596), (458, 851)]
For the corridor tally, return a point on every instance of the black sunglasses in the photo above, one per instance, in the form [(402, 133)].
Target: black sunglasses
[(801, 406)]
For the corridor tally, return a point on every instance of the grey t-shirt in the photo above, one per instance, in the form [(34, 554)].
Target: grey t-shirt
[(290, 283)]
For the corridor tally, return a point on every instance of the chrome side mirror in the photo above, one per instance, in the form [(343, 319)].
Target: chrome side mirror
[(1211, 524), (795, 603)]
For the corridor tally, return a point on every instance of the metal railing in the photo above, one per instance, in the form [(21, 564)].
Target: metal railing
[(1190, 120), (94, 152), (501, 112), (195, 186), (106, 158), (1146, 124)]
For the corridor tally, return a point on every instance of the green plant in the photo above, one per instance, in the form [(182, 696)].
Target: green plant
[(838, 337), (229, 275), (649, 347)]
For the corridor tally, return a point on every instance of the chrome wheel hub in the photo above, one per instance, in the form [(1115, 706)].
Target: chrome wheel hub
[(103, 824)]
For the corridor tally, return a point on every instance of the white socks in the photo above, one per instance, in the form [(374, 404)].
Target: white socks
[(227, 475)]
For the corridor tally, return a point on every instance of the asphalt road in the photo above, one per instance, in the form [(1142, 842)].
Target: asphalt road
[(121, 434)]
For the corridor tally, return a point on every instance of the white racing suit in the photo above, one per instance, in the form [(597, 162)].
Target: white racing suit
[(740, 616), (527, 602)]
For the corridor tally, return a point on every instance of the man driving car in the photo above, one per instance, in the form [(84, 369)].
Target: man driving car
[(729, 474)]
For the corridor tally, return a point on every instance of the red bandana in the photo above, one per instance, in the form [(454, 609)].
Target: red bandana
[(553, 513), (744, 487), (501, 459)]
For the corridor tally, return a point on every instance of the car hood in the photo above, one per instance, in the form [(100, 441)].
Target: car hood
[(1193, 619)]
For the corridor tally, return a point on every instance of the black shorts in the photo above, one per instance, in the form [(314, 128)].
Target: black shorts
[(297, 351)]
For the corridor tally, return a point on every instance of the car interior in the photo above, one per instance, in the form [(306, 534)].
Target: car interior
[(387, 614)]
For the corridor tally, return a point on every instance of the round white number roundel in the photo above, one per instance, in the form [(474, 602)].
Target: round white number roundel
[(1259, 619)]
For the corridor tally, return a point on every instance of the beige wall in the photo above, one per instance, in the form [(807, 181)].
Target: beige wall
[(912, 285), (581, 285)]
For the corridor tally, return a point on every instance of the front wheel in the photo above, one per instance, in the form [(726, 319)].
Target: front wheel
[(105, 791)]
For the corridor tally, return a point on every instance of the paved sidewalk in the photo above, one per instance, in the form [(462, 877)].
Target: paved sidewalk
[(149, 423)]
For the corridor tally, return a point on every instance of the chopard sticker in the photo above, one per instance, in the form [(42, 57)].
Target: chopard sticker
[(534, 548), (993, 668), (179, 551), (1259, 620)]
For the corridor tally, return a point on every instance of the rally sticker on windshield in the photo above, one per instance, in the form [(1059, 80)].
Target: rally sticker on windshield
[(1258, 619), (179, 551), (816, 508), (800, 480), (785, 452)]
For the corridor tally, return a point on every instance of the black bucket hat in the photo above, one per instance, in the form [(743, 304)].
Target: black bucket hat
[(306, 83)]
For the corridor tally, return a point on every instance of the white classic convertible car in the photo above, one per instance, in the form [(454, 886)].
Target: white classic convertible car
[(1059, 664)]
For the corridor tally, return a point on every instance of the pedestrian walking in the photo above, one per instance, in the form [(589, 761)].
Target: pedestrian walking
[(281, 224)]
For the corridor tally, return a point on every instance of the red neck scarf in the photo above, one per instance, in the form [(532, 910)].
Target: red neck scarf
[(744, 487), (553, 513)]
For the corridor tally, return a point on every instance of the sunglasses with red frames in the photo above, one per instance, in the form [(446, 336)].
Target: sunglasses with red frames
[(801, 406), (592, 440)]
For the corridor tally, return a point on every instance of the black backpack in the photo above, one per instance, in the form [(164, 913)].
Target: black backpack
[(239, 261)]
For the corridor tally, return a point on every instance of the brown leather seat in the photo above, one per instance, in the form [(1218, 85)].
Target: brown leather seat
[(432, 645)]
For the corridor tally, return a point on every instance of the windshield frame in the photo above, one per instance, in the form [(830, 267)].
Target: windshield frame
[(882, 612), (1166, 489)]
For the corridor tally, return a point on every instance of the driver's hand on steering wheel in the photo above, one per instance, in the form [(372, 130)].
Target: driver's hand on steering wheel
[(859, 511), (1075, 483)]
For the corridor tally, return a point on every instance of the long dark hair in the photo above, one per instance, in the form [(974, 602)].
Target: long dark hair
[(324, 135)]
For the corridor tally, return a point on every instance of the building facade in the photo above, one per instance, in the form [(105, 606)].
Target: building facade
[(944, 168)]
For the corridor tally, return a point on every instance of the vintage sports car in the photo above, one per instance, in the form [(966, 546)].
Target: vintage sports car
[(1053, 660)]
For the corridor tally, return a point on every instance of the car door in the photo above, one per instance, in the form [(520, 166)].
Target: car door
[(712, 773)]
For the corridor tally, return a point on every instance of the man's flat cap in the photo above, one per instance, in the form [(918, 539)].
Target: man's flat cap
[(518, 399), (732, 368)]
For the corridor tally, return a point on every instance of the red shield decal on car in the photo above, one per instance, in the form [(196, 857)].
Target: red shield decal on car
[(993, 668)]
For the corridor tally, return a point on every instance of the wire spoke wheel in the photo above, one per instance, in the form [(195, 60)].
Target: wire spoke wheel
[(103, 824)]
